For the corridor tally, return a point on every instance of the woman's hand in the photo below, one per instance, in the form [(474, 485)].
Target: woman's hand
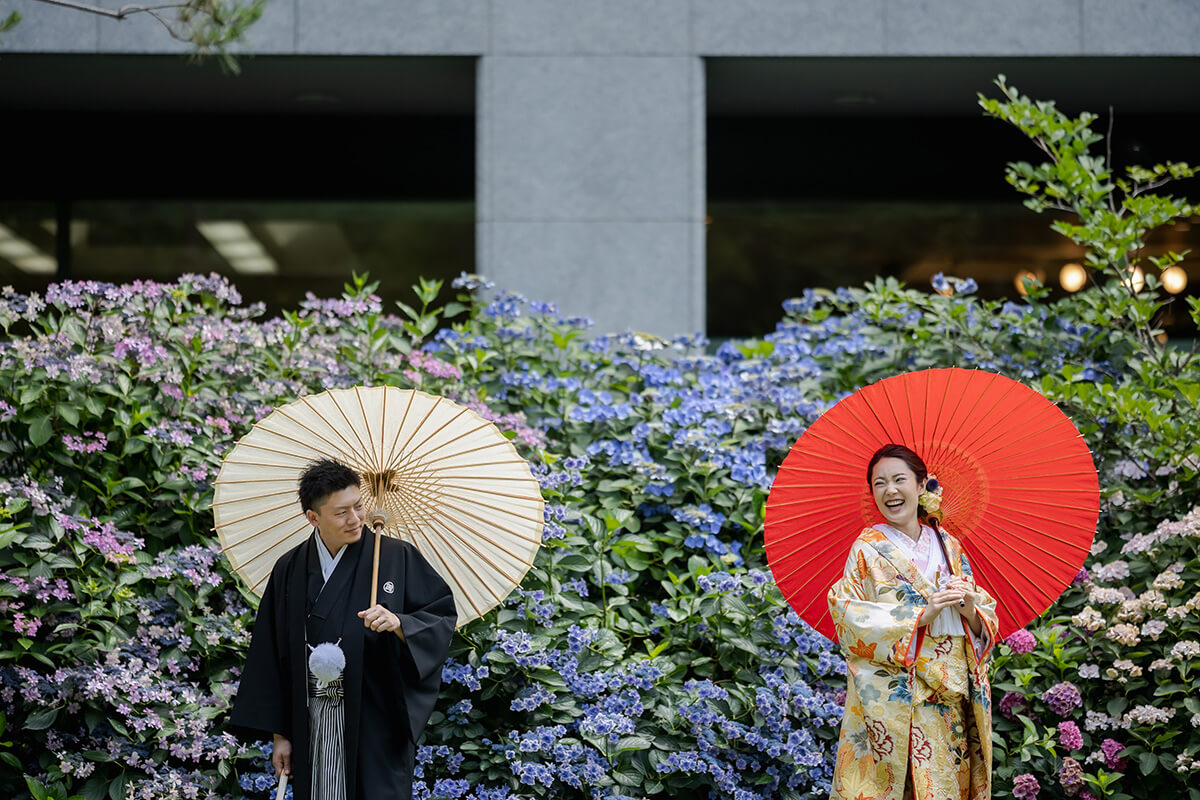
[(938, 601), (967, 607)]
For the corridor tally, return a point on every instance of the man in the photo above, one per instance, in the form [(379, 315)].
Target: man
[(359, 730)]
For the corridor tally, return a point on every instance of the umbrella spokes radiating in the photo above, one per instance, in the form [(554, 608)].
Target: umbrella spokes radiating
[(434, 473)]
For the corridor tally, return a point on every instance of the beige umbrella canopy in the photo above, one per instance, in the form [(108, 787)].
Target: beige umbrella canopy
[(449, 481)]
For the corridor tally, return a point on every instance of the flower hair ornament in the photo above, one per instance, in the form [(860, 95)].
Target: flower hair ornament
[(930, 500)]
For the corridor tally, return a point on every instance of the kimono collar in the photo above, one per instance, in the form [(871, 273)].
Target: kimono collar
[(901, 561), (926, 555), (328, 563)]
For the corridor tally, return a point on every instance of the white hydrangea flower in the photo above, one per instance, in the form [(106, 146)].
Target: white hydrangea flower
[(1185, 650), (1154, 628), (1112, 571), (1103, 596), (1148, 715), (1089, 619)]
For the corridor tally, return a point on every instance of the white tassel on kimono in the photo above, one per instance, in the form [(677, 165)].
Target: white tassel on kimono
[(326, 663)]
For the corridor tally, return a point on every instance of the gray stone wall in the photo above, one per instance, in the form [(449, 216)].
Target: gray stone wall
[(657, 28), (590, 114)]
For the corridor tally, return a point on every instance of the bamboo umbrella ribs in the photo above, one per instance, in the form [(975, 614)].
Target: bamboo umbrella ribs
[(434, 473)]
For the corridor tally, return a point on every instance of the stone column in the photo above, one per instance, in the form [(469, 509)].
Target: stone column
[(591, 161)]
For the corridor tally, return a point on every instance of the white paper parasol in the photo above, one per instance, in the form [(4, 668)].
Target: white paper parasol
[(449, 481)]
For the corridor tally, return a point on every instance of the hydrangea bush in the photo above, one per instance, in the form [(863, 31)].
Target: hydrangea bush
[(648, 653), (1108, 684)]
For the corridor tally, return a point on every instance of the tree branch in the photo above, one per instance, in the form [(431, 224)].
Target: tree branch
[(1112, 203), (120, 13), (1163, 181)]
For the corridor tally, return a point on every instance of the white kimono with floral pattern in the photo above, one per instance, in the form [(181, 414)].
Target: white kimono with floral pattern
[(923, 708)]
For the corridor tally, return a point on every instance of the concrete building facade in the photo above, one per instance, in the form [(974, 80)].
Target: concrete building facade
[(590, 115)]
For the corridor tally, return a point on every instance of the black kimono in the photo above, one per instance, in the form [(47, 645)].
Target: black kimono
[(390, 684)]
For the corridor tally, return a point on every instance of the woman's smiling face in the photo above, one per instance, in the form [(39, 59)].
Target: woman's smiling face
[(895, 488)]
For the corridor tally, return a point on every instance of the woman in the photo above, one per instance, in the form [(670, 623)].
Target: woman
[(916, 633)]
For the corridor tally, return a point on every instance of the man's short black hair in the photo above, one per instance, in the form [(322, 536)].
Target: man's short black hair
[(322, 478)]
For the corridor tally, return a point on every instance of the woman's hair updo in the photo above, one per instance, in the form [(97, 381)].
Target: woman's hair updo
[(903, 453)]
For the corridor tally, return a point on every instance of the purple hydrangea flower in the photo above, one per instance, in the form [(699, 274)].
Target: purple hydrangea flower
[(1012, 704), (1062, 698), (1026, 787), (1070, 776)]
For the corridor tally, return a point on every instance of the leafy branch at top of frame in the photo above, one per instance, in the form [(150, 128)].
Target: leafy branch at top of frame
[(211, 26)]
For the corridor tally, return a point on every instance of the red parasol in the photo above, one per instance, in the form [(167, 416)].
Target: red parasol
[(1021, 491)]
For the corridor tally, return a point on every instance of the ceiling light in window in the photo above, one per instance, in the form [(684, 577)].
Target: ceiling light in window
[(246, 249), (237, 244), (24, 255), (224, 231), (36, 265), (255, 265)]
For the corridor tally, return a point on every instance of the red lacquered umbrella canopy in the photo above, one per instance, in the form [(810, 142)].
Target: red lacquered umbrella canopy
[(1020, 488)]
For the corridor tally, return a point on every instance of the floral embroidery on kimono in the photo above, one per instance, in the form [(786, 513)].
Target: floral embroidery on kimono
[(916, 703)]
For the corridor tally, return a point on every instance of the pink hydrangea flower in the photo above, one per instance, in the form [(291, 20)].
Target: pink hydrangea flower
[(1069, 736), (1021, 641), (89, 442), (1110, 748), (26, 626)]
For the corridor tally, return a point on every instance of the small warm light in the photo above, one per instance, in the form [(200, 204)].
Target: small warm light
[(1135, 280), (1019, 281), (1174, 279), (1072, 277)]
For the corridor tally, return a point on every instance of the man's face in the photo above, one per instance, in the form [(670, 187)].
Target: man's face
[(339, 518)]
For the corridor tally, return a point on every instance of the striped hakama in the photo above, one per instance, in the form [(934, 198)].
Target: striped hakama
[(326, 722)]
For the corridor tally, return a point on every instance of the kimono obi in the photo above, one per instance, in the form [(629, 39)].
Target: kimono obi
[(942, 670), (331, 692)]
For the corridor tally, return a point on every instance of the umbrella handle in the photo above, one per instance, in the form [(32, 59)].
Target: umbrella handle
[(282, 790), (375, 568)]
